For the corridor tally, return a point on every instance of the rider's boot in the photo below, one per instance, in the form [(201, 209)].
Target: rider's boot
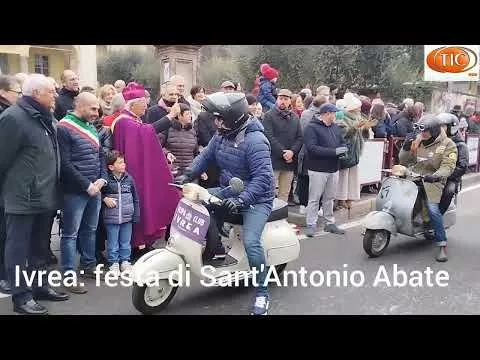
[(442, 252)]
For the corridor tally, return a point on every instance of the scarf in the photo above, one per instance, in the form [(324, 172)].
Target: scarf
[(80, 127)]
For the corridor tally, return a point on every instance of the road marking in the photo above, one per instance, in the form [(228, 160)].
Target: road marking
[(359, 222)]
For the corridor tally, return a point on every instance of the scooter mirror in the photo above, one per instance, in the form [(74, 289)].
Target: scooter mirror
[(236, 185)]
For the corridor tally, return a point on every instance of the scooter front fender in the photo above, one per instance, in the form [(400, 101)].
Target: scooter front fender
[(380, 220), (158, 264)]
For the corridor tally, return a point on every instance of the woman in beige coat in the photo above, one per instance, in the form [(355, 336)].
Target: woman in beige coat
[(356, 130)]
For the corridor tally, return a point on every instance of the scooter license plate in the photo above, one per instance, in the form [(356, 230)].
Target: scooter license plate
[(190, 222)]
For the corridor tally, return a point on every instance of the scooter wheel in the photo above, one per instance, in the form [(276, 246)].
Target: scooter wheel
[(150, 300), (375, 242)]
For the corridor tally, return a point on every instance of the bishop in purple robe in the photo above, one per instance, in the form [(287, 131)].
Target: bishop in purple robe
[(146, 162)]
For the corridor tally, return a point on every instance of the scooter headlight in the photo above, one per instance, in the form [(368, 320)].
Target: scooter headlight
[(399, 170)]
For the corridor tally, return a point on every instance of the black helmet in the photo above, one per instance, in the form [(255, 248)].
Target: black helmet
[(451, 121), (232, 108)]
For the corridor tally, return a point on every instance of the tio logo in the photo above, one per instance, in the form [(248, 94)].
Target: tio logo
[(452, 59)]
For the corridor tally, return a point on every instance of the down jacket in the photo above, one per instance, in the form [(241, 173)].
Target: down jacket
[(125, 192), (83, 159), (246, 157), (182, 143), (267, 95)]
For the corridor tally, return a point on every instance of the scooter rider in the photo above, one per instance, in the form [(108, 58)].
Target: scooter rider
[(450, 124), (240, 149), (433, 155)]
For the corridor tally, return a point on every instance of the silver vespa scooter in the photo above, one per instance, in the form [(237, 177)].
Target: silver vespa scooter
[(400, 210)]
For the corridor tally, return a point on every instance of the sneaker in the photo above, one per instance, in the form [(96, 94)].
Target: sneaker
[(302, 210), (125, 266), (334, 229), (311, 230), (115, 268), (442, 254), (261, 306), (320, 212)]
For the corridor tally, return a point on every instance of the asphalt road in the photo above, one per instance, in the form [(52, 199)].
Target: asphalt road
[(331, 252)]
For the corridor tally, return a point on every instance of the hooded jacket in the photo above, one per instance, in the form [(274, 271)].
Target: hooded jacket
[(246, 157)]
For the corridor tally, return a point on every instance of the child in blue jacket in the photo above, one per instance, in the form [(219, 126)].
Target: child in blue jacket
[(268, 88), (121, 210)]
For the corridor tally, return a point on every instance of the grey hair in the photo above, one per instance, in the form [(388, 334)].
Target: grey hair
[(129, 103), (118, 102), (35, 82), (8, 82), (176, 77)]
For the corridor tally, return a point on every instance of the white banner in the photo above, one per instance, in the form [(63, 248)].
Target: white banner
[(371, 162), (472, 143)]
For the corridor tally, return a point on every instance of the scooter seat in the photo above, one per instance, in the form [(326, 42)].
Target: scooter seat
[(279, 212)]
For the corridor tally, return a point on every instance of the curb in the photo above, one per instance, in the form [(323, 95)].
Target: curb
[(362, 207)]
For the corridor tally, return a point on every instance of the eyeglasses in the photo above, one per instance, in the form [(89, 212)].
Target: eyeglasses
[(18, 92)]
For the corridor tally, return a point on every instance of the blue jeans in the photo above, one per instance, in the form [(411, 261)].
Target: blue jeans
[(80, 220), (119, 237), (254, 220), (436, 219)]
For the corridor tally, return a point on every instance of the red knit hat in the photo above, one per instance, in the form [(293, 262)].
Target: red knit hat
[(269, 72)]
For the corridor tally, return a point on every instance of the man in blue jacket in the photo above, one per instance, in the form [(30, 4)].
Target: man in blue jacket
[(324, 146), (83, 174), (240, 149)]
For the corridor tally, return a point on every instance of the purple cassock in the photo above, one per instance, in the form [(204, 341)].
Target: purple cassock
[(147, 164)]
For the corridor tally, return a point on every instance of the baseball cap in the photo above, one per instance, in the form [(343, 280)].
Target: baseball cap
[(226, 84), (285, 92), (328, 108)]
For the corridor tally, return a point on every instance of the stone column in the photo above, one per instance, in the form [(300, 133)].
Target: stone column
[(179, 60), (86, 64), (24, 64)]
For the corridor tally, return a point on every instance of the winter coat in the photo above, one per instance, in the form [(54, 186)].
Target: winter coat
[(354, 139), (284, 132), (105, 136), (402, 125), (246, 157), (438, 158), (83, 159), (125, 192), (306, 117), (156, 112), (205, 128), (29, 160), (463, 158), (320, 143), (64, 103), (267, 95), (182, 143)]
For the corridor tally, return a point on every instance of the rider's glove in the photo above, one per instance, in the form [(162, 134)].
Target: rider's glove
[(431, 178), (233, 205)]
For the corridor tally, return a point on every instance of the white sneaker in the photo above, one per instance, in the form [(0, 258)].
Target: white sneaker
[(126, 266), (320, 212), (115, 268), (302, 210)]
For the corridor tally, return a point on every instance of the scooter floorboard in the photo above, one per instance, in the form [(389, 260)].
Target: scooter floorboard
[(227, 261)]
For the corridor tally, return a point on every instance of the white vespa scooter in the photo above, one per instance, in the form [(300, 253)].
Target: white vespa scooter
[(157, 274), (399, 210)]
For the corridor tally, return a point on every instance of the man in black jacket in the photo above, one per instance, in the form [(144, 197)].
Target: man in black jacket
[(67, 94), (84, 173), (283, 130), (450, 124), (9, 92), (324, 146), (30, 173)]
